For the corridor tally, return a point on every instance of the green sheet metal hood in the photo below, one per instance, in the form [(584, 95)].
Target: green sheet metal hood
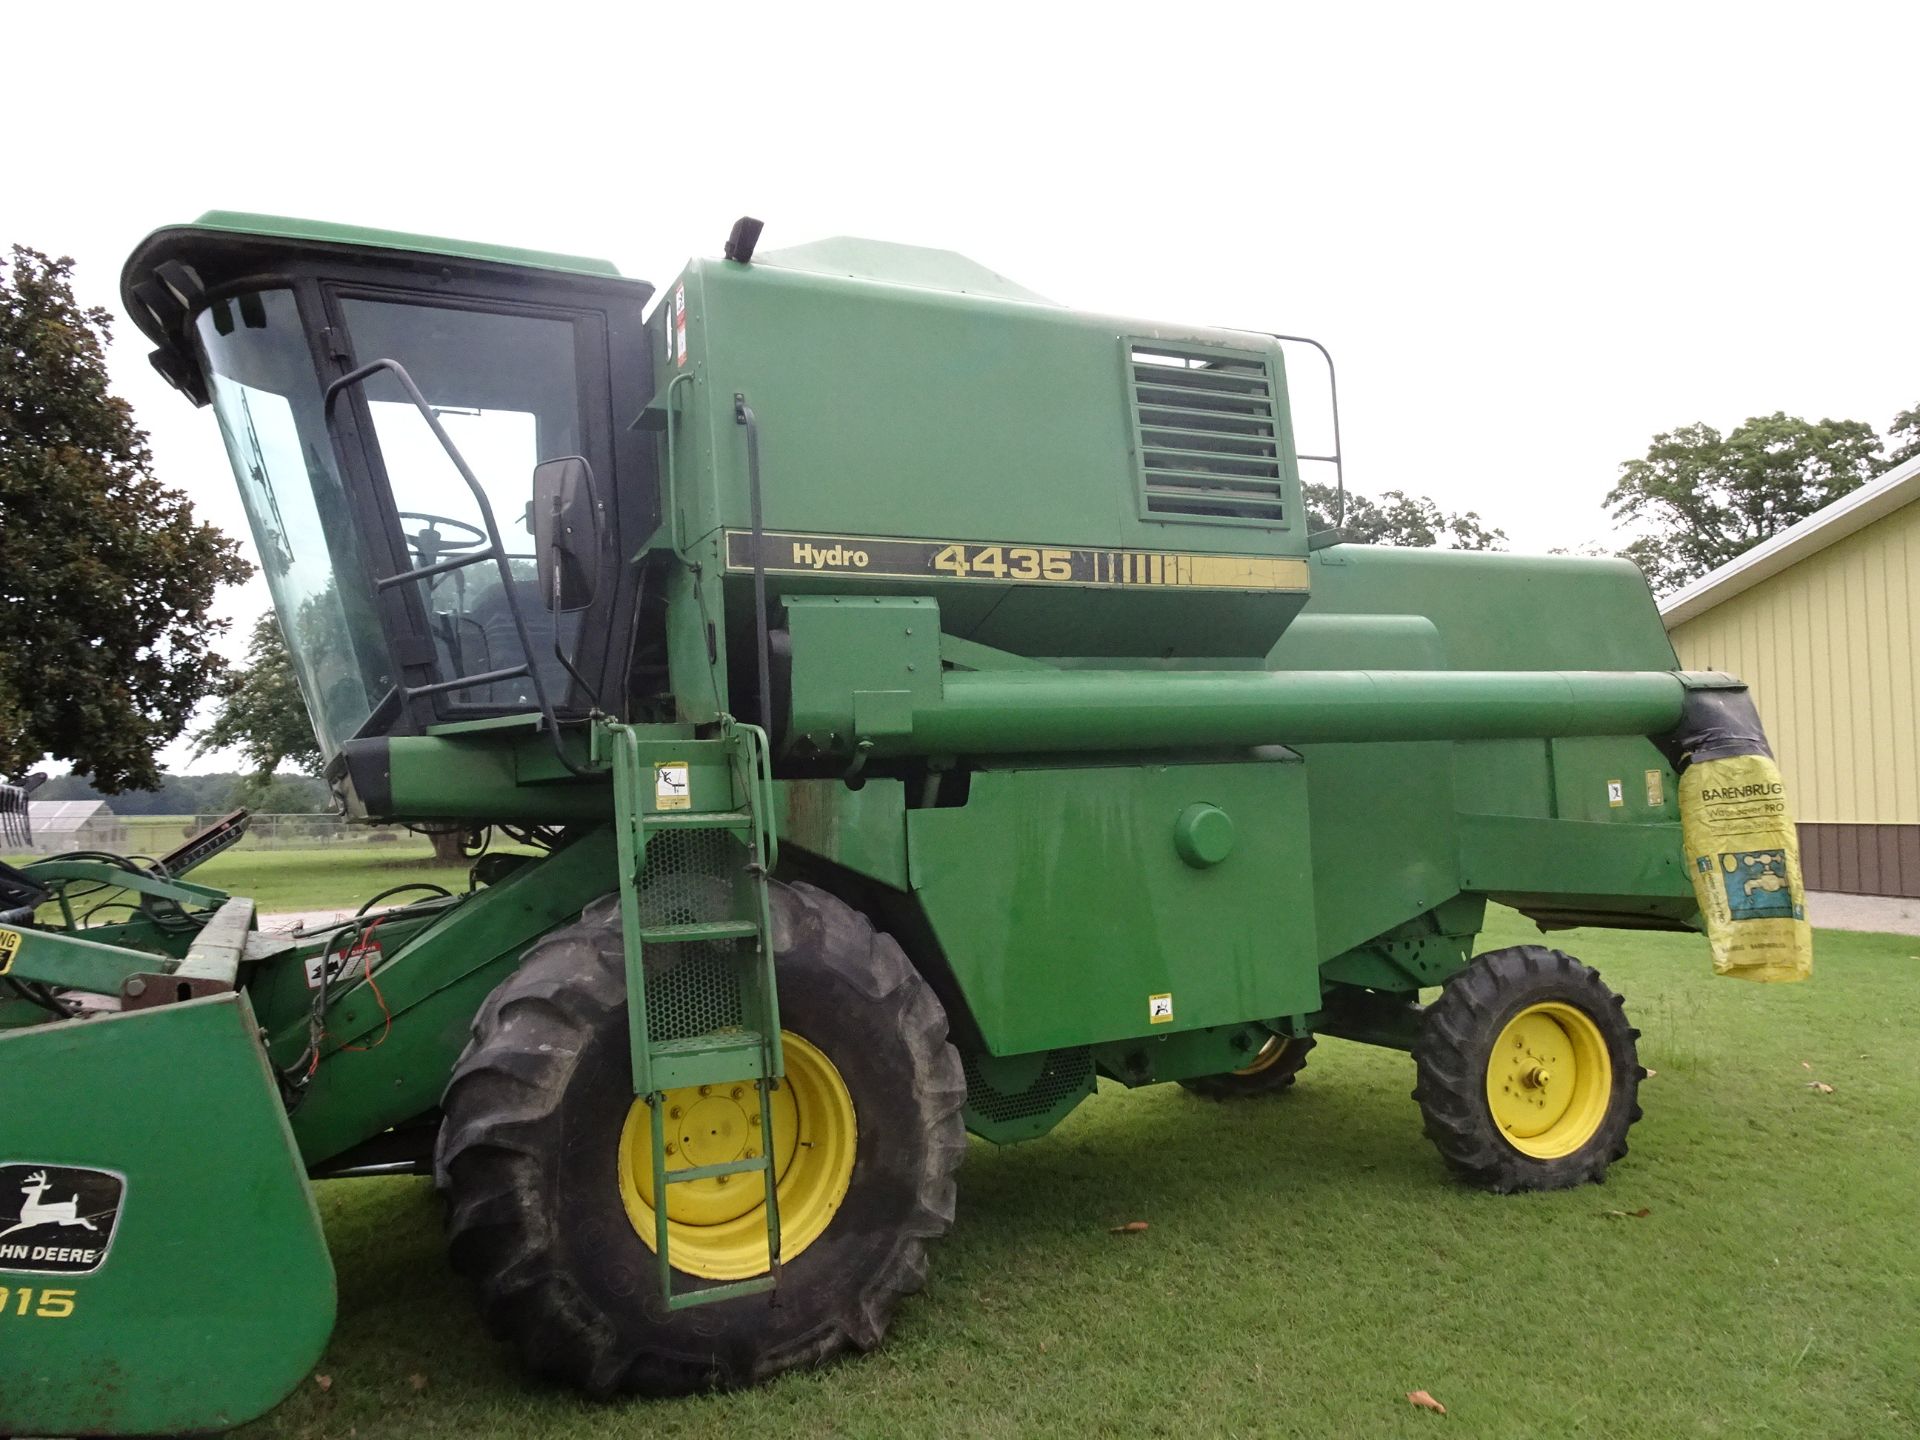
[(891, 264)]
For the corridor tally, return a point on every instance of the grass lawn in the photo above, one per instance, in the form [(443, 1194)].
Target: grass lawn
[(334, 879), (1309, 1262)]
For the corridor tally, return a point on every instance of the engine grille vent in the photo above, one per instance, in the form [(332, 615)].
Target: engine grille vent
[(1207, 432)]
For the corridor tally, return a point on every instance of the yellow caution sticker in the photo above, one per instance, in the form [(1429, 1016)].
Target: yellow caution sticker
[(1744, 858), (9, 947), (1160, 1009), (1656, 789)]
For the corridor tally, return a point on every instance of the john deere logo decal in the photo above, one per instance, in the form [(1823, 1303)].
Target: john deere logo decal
[(57, 1219)]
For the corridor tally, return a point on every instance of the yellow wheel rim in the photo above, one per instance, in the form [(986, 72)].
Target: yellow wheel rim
[(717, 1228), (1269, 1056), (1549, 1080)]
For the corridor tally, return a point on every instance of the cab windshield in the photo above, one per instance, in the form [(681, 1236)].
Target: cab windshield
[(268, 402), (503, 386)]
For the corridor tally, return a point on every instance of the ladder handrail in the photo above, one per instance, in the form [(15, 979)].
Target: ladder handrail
[(496, 551)]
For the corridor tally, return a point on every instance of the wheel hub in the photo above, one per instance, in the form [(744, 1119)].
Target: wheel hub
[(714, 1130), (1549, 1080), (717, 1226)]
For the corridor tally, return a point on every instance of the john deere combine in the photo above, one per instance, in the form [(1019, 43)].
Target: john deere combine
[(895, 701)]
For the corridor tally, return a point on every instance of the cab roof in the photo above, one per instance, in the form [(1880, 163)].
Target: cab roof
[(167, 273)]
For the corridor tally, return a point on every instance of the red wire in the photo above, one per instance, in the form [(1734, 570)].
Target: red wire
[(367, 952)]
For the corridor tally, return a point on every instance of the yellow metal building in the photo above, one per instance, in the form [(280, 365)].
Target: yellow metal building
[(1823, 621)]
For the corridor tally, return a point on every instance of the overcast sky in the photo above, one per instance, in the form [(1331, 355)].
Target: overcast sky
[(1532, 236)]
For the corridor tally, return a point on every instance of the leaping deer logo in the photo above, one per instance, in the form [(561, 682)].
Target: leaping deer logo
[(35, 1211)]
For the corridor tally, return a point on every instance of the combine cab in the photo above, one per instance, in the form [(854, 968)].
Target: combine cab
[(899, 701)]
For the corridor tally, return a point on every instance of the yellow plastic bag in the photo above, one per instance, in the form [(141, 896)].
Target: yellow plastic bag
[(1744, 857)]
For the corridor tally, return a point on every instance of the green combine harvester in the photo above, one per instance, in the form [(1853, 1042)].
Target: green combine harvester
[(895, 702)]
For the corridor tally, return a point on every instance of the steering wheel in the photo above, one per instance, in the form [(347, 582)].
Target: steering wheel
[(429, 544)]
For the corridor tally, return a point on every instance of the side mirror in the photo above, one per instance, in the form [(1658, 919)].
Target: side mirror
[(566, 532)]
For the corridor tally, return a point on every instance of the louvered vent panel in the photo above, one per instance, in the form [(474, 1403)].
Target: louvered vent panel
[(1209, 439)]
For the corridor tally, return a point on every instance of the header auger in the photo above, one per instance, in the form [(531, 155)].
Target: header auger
[(910, 700)]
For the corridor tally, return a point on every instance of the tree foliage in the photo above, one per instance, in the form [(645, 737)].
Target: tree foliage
[(1904, 436), (260, 712), (1397, 518), (1709, 497), (203, 794), (105, 575)]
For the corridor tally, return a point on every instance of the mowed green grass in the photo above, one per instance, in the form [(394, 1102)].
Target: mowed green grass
[(334, 879), (342, 878), (1309, 1262)]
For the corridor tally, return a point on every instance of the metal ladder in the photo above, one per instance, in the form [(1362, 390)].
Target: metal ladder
[(730, 961)]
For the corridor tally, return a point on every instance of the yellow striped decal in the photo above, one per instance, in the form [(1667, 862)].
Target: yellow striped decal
[(785, 552)]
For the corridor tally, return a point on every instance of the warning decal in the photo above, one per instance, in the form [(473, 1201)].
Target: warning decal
[(671, 787), (363, 954), (57, 1219), (1160, 1009), (9, 947)]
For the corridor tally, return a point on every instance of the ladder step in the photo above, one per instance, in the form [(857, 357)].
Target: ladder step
[(720, 1058), (701, 930), (698, 820), (707, 1172), (733, 1290)]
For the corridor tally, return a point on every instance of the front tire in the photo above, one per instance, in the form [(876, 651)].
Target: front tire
[(534, 1159), (1528, 1072)]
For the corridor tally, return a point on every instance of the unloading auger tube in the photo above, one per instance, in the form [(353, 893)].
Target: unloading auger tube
[(1012, 712)]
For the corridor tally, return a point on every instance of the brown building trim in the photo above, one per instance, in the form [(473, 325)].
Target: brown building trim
[(1862, 859)]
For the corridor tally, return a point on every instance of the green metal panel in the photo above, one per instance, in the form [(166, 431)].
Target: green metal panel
[(1596, 868), (1424, 951), (431, 985), (883, 650), (1384, 841), (1032, 408), (1064, 908), (862, 830), (208, 1293), (1503, 612), (54, 957)]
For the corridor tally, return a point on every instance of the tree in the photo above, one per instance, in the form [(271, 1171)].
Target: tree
[(262, 715), (260, 712), (1904, 435), (1398, 518), (1711, 497), (105, 575)]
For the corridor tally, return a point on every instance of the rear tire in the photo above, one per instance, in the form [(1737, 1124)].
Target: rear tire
[(529, 1159), (1271, 1071), (1528, 1072)]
